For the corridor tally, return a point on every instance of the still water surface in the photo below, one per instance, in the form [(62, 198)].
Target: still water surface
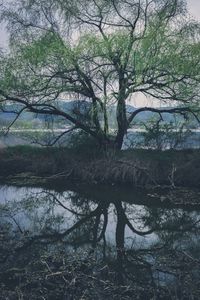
[(148, 238)]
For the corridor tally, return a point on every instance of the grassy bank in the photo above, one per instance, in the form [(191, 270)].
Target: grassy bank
[(133, 167)]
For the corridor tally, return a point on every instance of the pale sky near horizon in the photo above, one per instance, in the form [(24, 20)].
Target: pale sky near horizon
[(194, 9)]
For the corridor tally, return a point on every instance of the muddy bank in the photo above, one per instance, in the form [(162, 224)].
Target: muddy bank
[(146, 168)]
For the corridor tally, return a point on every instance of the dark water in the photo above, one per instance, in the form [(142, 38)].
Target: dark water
[(117, 243)]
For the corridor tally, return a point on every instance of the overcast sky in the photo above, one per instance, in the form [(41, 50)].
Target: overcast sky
[(193, 5)]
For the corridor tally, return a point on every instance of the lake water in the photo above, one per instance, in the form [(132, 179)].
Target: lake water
[(149, 241), (132, 139)]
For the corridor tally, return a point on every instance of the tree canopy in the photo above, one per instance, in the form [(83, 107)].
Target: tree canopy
[(104, 52)]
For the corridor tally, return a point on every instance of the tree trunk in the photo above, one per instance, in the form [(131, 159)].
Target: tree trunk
[(122, 124), (119, 139), (121, 112), (120, 237)]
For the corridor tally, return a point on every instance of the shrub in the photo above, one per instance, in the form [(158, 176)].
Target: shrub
[(82, 142)]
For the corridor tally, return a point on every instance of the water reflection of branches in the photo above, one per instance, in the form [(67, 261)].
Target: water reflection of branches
[(91, 222)]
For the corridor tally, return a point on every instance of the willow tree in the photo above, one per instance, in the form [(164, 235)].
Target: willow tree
[(101, 51)]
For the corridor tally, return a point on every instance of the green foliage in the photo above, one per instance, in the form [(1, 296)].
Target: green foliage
[(161, 135), (102, 51)]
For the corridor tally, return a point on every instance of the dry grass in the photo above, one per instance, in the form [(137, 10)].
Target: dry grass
[(138, 168)]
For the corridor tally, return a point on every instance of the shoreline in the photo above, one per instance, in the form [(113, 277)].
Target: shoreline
[(136, 168)]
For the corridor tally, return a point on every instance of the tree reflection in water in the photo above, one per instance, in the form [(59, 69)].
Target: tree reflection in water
[(50, 240)]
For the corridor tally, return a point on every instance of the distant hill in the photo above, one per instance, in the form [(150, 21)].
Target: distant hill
[(76, 108), (147, 115)]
